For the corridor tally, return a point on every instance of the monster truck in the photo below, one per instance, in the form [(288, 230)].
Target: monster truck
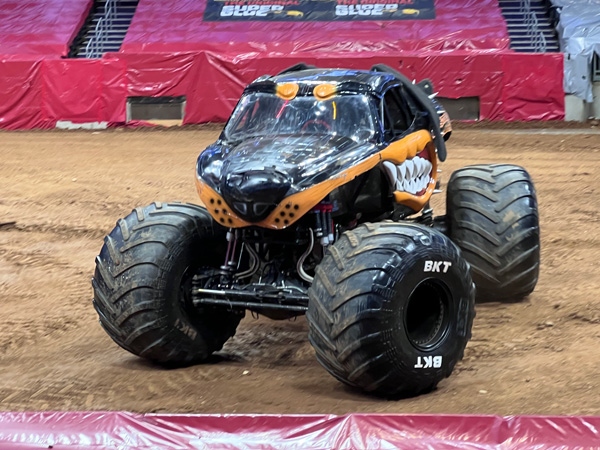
[(315, 199)]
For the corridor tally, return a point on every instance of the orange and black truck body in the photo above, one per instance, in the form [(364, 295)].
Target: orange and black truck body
[(366, 141)]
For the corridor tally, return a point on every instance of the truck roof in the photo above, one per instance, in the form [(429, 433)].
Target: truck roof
[(350, 81)]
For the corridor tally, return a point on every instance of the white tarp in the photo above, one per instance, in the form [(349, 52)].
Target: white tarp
[(579, 33)]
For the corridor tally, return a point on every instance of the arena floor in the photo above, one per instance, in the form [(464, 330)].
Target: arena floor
[(61, 192)]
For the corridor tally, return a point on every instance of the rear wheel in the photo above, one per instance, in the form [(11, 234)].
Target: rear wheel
[(391, 308), (493, 217), (143, 280)]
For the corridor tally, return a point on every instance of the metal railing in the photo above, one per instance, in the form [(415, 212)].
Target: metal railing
[(538, 40), (596, 67), (97, 44)]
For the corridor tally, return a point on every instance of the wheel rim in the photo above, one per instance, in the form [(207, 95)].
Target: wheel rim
[(427, 314), (185, 290), (186, 285)]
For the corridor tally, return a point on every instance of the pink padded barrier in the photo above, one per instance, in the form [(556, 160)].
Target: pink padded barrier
[(122, 430)]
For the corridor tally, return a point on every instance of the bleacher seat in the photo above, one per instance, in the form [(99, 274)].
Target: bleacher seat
[(160, 26), (39, 28)]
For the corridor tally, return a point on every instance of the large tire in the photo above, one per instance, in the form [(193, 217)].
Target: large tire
[(382, 317), (142, 284), (493, 217)]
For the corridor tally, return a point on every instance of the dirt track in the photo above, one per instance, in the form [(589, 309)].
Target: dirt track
[(65, 190)]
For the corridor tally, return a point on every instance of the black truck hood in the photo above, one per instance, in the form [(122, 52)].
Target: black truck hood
[(254, 175)]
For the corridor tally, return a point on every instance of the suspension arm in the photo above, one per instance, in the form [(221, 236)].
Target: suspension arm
[(279, 299)]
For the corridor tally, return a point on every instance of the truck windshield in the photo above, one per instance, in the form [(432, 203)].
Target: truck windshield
[(261, 114)]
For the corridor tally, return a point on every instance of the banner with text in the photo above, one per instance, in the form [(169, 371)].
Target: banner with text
[(318, 10)]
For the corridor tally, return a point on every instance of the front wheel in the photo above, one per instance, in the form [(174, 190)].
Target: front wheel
[(143, 279), (391, 308)]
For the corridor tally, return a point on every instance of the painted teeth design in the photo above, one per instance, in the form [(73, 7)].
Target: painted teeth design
[(412, 176)]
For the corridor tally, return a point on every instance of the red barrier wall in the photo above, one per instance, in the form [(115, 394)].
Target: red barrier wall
[(511, 86), (36, 94), (112, 430), (40, 27)]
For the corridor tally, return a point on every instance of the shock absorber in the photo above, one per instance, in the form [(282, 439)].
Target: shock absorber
[(324, 226), (331, 225), (318, 223), (229, 263), (325, 222)]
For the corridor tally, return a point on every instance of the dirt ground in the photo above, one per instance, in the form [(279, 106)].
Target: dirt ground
[(61, 192)]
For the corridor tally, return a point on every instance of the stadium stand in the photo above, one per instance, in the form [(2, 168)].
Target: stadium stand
[(177, 49), (530, 25), (158, 26), (39, 28), (104, 28), (579, 29)]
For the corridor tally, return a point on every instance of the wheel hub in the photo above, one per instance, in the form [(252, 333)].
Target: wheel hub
[(427, 314)]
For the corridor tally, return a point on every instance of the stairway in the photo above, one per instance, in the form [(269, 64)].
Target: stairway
[(526, 36), (110, 36)]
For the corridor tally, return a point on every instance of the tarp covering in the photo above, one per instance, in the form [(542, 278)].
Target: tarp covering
[(40, 27), (159, 26), (510, 86), (36, 94), (123, 431), (579, 32)]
